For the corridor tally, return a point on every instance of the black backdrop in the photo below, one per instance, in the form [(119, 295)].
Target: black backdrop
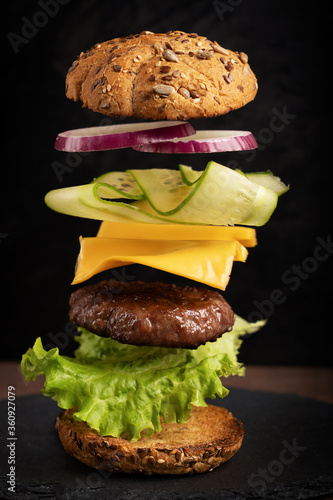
[(287, 276)]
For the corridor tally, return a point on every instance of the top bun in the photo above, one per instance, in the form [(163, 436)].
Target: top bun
[(156, 76)]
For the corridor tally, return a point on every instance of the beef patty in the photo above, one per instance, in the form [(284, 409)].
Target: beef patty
[(157, 314)]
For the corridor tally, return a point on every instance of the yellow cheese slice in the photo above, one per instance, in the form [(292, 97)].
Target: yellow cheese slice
[(206, 261), (136, 230)]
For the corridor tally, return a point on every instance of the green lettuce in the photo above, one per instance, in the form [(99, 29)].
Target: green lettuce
[(122, 390)]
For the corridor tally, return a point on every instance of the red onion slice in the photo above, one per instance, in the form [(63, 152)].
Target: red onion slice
[(121, 136), (204, 141)]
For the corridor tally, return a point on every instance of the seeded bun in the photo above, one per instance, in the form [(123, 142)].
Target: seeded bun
[(156, 76), (210, 437)]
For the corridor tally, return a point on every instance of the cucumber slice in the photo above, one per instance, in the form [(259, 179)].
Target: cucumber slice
[(188, 175), (118, 185), (267, 180), (216, 196), (220, 196), (163, 188), (84, 201)]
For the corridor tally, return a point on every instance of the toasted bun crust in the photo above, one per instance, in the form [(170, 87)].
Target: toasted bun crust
[(210, 437), (173, 76)]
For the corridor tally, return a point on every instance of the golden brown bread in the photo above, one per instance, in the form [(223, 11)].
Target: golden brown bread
[(156, 76), (210, 437)]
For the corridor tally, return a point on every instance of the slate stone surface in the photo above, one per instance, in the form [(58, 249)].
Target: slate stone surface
[(286, 453)]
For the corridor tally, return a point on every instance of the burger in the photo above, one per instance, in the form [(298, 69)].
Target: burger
[(150, 354)]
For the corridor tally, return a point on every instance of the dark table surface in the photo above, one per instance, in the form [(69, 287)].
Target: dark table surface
[(286, 411)]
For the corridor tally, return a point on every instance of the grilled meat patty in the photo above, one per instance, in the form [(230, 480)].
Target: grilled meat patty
[(156, 314)]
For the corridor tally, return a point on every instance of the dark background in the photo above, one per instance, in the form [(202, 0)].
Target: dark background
[(281, 279)]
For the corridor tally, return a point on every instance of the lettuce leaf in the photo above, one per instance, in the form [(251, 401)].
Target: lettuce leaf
[(122, 390)]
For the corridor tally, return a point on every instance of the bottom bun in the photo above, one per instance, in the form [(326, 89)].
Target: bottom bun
[(210, 437)]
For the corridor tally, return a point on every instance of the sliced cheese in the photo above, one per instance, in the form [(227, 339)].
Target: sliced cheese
[(206, 261), (136, 230)]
